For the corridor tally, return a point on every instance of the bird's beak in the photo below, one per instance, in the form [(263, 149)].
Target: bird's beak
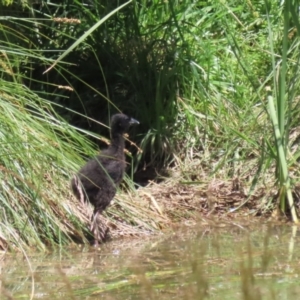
[(133, 121)]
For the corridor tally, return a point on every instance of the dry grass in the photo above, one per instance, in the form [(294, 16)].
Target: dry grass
[(158, 207)]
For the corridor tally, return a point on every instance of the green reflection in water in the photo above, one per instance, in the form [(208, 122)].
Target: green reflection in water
[(233, 262)]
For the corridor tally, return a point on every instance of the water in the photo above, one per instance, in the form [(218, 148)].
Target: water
[(230, 262)]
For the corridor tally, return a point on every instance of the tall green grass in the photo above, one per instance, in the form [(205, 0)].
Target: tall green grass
[(39, 152), (285, 85)]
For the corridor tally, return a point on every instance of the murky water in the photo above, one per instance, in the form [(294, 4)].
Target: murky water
[(233, 262)]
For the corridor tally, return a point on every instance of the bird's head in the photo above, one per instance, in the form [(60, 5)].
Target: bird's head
[(120, 123)]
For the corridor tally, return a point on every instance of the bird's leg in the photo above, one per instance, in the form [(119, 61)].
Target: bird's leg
[(103, 229), (99, 234), (99, 231)]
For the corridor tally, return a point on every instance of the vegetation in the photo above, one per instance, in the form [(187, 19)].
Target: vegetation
[(213, 83)]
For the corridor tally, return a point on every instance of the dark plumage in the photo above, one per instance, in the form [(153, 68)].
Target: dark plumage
[(98, 179)]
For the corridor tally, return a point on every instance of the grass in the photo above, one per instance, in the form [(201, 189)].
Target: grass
[(213, 85), (35, 148)]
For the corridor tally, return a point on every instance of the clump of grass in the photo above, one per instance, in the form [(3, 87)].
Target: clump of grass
[(280, 111), (37, 157)]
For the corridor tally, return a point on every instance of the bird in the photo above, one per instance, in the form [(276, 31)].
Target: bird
[(97, 181)]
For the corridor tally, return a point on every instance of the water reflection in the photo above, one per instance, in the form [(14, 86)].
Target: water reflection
[(230, 262)]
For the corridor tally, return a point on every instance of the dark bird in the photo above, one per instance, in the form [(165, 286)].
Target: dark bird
[(98, 179)]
